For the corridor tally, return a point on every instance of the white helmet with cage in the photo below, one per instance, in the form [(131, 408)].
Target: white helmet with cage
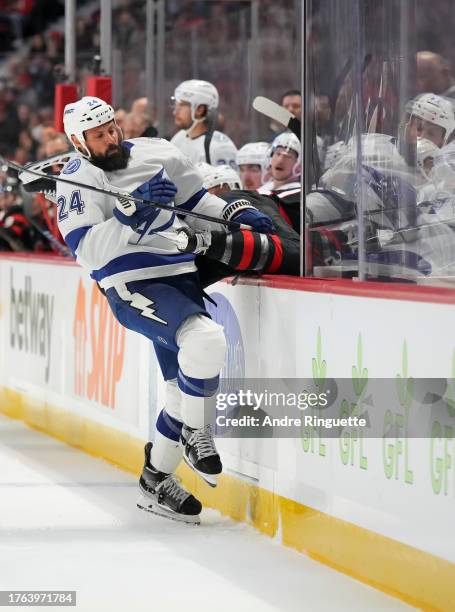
[(86, 113), (214, 176), (197, 92), (289, 141), (426, 150), (255, 154), (435, 109)]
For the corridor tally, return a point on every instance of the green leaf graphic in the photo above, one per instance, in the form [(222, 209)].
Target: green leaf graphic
[(450, 393), (405, 384), (359, 373), (315, 368), (319, 366)]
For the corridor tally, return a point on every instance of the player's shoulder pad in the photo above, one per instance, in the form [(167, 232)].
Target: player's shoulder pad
[(80, 170), (143, 140), (145, 143), (81, 167), (72, 166), (158, 150), (181, 134)]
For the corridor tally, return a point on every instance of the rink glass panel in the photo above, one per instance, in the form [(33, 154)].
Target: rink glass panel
[(244, 48), (369, 220)]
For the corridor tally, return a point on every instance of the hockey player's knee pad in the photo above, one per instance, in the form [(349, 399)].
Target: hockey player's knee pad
[(202, 347)]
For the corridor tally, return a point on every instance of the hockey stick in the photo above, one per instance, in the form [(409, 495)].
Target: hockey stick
[(271, 109), (117, 194), (60, 248)]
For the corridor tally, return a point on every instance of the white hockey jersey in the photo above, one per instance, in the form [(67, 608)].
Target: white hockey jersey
[(222, 150), (109, 249)]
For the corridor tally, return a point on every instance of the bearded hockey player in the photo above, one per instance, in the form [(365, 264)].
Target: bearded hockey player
[(195, 114), (130, 250)]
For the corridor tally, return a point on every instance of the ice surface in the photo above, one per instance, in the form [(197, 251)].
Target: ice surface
[(69, 521)]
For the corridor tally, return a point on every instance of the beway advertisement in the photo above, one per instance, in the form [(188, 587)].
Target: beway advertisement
[(398, 485), (62, 344)]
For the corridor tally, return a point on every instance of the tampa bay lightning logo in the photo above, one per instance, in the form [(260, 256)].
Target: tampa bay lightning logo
[(72, 166)]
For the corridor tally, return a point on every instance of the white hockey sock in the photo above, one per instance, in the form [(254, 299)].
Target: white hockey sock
[(166, 454), (197, 408)]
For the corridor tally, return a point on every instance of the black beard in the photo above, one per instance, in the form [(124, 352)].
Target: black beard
[(110, 163)]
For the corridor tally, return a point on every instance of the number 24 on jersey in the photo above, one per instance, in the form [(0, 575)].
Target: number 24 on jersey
[(76, 204)]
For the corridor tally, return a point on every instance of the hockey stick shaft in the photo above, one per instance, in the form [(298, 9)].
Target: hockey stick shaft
[(60, 248), (117, 194)]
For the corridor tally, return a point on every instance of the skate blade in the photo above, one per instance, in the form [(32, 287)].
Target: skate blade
[(210, 479), (144, 503)]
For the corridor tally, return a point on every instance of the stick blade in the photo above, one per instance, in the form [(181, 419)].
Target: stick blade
[(273, 110), (278, 113)]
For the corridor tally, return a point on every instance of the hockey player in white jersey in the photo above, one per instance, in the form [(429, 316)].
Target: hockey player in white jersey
[(195, 113), (253, 160), (131, 251)]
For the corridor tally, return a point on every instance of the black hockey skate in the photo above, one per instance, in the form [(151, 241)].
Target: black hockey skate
[(200, 453), (163, 494)]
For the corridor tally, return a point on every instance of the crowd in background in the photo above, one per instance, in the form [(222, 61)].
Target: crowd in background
[(33, 67)]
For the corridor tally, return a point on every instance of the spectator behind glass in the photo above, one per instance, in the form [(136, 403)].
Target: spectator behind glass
[(323, 115), (15, 230), (120, 115), (56, 144), (292, 101), (9, 130), (138, 125), (434, 74)]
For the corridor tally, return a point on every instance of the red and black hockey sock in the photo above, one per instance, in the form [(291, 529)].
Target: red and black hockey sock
[(247, 250)]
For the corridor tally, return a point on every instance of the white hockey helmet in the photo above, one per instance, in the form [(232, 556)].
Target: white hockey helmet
[(435, 109), (289, 141), (197, 92), (86, 113), (213, 176), (425, 150), (255, 154)]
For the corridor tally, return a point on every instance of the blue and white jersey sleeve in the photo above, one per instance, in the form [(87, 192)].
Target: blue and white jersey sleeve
[(85, 218), (191, 195)]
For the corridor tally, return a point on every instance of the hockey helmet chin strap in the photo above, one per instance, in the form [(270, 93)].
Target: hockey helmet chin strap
[(210, 118), (83, 149)]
